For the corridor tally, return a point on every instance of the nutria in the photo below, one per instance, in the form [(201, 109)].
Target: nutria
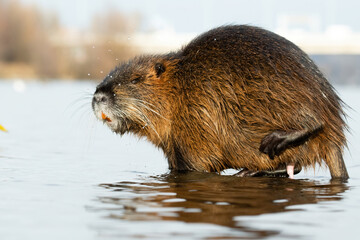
[(236, 97)]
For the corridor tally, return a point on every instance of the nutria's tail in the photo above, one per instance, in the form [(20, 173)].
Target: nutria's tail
[(333, 158)]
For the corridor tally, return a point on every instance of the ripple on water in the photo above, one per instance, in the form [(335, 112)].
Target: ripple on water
[(221, 201)]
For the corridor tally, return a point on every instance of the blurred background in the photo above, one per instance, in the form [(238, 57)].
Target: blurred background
[(83, 39)]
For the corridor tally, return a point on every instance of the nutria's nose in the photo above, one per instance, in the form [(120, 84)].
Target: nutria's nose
[(100, 98)]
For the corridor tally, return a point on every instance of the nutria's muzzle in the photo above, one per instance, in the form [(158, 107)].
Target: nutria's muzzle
[(100, 97), (101, 104)]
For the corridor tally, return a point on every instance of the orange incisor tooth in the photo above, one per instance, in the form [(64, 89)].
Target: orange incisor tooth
[(106, 118)]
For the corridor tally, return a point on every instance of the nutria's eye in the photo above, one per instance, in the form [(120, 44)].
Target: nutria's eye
[(159, 69), (136, 80)]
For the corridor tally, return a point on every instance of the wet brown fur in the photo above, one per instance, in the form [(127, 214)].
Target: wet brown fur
[(216, 99)]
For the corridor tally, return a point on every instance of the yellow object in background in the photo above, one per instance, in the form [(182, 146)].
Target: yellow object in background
[(2, 128)]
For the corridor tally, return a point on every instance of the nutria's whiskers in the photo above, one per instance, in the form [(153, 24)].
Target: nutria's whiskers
[(120, 113), (80, 106), (147, 106), (147, 122)]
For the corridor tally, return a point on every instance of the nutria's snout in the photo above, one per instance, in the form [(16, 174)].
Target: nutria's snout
[(102, 104), (103, 92), (100, 98)]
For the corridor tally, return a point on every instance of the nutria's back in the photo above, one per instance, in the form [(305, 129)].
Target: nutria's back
[(236, 97)]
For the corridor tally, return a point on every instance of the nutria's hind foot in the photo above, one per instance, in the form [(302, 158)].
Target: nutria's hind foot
[(281, 171), (249, 173), (276, 142)]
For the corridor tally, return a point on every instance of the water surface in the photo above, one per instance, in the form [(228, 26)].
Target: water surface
[(63, 175)]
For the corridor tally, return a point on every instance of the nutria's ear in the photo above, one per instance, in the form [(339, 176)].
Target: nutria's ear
[(159, 69)]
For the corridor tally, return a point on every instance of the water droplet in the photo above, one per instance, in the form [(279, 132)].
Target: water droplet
[(110, 76), (114, 95), (214, 39), (89, 74)]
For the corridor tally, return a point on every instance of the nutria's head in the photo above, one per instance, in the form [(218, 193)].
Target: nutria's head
[(136, 97)]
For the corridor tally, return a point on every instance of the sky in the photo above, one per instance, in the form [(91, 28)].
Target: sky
[(201, 15)]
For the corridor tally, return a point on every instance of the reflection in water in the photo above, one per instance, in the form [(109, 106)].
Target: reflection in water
[(214, 199)]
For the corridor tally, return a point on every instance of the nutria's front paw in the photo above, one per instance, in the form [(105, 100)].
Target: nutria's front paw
[(274, 143)]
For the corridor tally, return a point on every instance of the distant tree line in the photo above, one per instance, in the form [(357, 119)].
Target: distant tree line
[(33, 45), (28, 49)]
